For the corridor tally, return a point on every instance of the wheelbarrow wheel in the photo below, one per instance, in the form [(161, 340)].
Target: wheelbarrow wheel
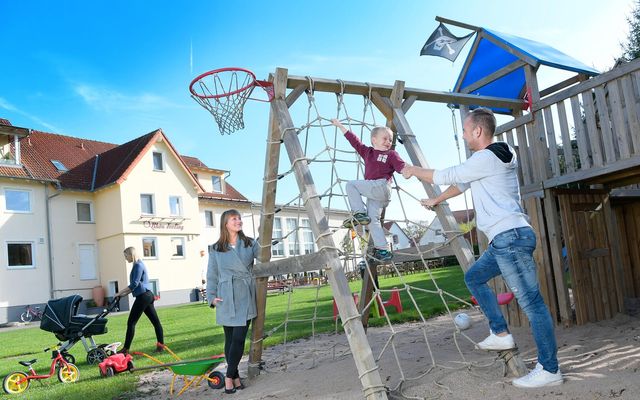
[(216, 380)]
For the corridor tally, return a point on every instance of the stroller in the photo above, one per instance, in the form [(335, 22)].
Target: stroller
[(61, 317)]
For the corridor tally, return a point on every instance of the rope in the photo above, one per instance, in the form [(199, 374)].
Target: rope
[(331, 156)]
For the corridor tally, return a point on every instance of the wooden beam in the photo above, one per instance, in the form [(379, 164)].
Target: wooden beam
[(383, 104), (406, 105), (506, 70), (467, 63), (367, 370), (561, 85), (267, 216), (456, 23), (591, 83), (591, 174), (522, 56), (460, 245), (361, 88), (519, 121), (291, 265), (295, 94)]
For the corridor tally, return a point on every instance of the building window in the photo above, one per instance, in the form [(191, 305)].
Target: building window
[(395, 239), (149, 246), (292, 238), (20, 255), (208, 219), (177, 246), (175, 205), (155, 287), (84, 211), (217, 184), (18, 201), (158, 163), (278, 248), (307, 236), (59, 165), (146, 204)]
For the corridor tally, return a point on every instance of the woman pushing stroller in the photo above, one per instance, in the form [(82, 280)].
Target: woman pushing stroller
[(140, 289)]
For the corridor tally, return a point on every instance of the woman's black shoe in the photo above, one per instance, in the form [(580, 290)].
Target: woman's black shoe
[(230, 391), (241, 386)]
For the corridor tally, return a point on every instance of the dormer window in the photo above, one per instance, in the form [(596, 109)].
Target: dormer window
[(59, 165), (217, 184), (158, 162)]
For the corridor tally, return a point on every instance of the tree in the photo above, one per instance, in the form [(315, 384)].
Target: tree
[(631, 49)]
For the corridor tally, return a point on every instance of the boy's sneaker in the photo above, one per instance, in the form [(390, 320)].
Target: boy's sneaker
[(382, 255), (497, 343), (358, 218), (538, 377)]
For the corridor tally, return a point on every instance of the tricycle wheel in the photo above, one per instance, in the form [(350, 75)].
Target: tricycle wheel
[(216, 380), (96, 356), (15, 382), (109, 372), (129, 366), (68, 373)]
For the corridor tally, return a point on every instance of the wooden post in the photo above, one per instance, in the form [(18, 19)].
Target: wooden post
[(372, 385), (460, 246), (267, 217)]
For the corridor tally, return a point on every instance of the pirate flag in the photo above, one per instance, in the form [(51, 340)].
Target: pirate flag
[(443, 43)]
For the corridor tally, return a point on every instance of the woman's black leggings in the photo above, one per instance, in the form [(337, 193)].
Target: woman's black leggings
[(143, 304), (234, 337)]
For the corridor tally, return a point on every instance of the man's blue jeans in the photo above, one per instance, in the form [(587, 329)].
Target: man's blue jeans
[(510, 253)]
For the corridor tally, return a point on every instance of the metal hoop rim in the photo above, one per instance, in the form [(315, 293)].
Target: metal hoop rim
[(215, 71)]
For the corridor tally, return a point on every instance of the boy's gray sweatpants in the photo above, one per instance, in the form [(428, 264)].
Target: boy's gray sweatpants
[(378, 194)]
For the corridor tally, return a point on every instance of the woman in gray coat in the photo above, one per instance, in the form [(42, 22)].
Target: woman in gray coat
[(231, 289)]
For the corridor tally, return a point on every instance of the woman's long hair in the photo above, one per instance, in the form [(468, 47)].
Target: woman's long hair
[(132, 252), (222, 245)]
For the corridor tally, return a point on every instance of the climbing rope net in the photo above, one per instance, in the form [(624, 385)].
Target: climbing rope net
[(333, 163)]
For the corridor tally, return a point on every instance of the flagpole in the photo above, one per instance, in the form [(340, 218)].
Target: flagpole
[(456, 23)]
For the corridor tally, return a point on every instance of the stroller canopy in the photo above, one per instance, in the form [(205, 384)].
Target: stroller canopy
[(57, 314)]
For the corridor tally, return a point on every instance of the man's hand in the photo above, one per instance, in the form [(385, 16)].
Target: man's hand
[(407, 171), (429, 203)]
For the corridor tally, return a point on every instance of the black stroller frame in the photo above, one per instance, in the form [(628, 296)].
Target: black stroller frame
[(60, 317)]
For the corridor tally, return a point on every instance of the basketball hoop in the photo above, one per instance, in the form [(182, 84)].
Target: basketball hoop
[(223, 92)]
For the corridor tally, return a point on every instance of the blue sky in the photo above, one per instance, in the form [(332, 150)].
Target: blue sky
[(115, 70)]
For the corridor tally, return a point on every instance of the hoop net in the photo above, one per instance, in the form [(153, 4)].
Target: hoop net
[(223, 92)]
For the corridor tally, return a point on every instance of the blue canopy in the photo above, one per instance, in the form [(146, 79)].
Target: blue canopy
[(495, 50)]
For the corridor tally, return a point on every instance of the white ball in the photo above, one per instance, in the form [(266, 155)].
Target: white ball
[(462, 321)]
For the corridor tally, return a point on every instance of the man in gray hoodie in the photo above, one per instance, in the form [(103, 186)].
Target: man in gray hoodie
[(491, 173)]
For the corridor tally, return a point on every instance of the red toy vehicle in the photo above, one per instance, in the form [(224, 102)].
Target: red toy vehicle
[(115, 364)]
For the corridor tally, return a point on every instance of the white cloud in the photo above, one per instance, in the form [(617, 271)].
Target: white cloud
[(105, 99), (10, 107)]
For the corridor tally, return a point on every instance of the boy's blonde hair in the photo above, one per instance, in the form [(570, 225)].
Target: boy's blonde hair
[(379, 129)]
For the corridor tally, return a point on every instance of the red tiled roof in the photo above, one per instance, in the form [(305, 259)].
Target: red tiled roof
[(461, 216), (230, 192), (5, 122)]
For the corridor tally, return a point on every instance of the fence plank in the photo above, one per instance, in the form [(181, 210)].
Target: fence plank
[(592, 129), (619, 126), (551, 138), (631, 110), (605, 125), (581, 135), (569, 162)]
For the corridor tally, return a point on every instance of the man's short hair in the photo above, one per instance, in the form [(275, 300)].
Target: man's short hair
[(483, 117)]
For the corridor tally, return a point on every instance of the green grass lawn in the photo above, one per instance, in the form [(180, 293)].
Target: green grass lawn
[(191, 332)]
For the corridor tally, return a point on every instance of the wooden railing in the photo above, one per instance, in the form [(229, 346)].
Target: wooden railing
[(589, 132)]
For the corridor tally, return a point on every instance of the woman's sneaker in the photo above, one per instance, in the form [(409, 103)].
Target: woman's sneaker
[(358, 218), (539, 377)]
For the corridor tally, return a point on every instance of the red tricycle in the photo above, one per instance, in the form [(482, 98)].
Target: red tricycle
[(17, 382)]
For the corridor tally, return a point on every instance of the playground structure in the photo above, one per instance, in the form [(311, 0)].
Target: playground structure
[(580, 192)]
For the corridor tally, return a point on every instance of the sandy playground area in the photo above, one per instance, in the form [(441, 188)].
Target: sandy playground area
[(599, 361)]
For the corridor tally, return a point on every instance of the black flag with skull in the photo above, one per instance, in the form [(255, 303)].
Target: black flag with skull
[(443, 43)]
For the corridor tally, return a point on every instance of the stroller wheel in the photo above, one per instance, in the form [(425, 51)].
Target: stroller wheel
[(96, 356), (68, 357)]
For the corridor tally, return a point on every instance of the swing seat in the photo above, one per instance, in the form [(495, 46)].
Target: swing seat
[(503, 298)]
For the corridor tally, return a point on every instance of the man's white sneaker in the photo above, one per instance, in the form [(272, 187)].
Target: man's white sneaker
[(538, 377), (497, 343)]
